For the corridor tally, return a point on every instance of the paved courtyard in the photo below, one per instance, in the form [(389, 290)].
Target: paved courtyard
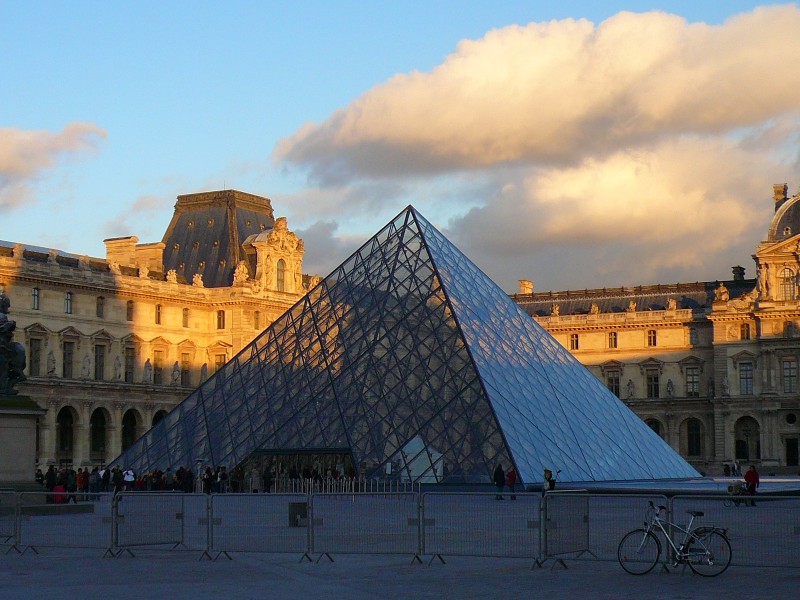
[(61, 574)]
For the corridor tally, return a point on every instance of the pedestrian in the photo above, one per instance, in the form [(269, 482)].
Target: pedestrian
[(726, 470), (549, 481), (511, 482), (499, 481), (255, 480), (752, 480)]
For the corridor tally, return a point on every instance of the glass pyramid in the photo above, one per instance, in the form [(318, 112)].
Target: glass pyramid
[(414, 361)]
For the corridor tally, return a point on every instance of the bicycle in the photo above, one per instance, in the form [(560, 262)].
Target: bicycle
[(735, 493), (706, 550)]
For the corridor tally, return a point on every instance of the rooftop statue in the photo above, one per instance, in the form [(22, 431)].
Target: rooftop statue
[(12, 354)]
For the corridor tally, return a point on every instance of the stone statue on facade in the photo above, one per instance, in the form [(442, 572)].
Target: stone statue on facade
[(632, 306), (117, 369), (51, 364), (148, 372), (172, 276), (725, 386), (85, 367), (555, 311), (670, 389), (763, 281), (721, 294), (594, 310), (204, 372), (672, 304), (631, 389), (241, 273), (176, 374), (197, 280), (144, 272), (12, 354)]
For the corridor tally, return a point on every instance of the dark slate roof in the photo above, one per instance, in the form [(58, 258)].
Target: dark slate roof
[(612, 300), (207, 230)]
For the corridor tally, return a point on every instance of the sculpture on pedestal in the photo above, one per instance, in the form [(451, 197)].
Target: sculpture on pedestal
[(12, 354)]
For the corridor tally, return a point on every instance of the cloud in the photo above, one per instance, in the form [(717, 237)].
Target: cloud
[(561, 91), (638, 150), (26, 154)]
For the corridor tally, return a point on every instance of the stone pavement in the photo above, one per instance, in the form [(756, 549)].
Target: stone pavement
[(63, 575)]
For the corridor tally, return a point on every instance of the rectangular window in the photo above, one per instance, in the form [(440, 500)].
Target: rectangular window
[(185, 317), (158, 314), (185, 370), (35, 298), (129, 310), (692, 382), (746, 379), (99, 363), (612, 382), (220, 319), (574, 341), (652, 376), (158, 367), (68, 356), (257, 320), (130, 358), (745, 331), (35, 357), (694, 338), (68, 303), (652, 338), (219, 362), (100, 310), (612, 339), (789, 377)]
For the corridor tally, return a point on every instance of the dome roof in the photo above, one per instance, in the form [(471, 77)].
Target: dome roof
[(786, 221)]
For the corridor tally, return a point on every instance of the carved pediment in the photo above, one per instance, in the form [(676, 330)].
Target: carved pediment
[(690, 361), (36, 330), (131, 339), (70, 333), (743, 356), (102, 337), (187, 344), (159, 341), (651, 363), (611, 365)]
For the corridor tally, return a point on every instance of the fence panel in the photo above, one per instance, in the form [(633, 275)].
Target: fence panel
[(8, 516), (259, 523), (610, 517), (767, 534), (365, 523), (566, 523), (61, 520), (161, 519), (477, 524)]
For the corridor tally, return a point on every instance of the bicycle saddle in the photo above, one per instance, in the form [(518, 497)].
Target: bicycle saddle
[(695, 513)]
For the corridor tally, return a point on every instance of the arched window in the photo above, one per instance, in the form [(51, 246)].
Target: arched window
[(748, 439), (788, 285), (97, 435), (160, 414), (280, 276), (128, 429), (129, 310), (655, 425), (65, 423)]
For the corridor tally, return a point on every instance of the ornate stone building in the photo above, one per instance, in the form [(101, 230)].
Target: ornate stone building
[(115, 343), (712, 367)]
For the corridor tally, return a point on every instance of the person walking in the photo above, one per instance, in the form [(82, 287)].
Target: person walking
[(511, 482), (752, 480), (499, 481)]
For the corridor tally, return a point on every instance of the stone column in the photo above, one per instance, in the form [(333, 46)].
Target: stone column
[(47, 434), (114, 445)]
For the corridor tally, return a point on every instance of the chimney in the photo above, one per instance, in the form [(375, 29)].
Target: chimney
[(738, 273), (779, 194), (525, 286)]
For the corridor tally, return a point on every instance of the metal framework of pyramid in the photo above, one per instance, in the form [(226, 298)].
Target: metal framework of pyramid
[(407, 354)]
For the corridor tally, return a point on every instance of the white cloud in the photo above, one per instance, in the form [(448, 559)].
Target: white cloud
[(636, 150), (25, 154)]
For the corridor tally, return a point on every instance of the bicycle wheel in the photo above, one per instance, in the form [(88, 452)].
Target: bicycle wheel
[(638, 552), (709, 553)]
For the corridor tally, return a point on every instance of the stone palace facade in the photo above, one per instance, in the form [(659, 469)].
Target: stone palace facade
[(113, 344), (712, 367)]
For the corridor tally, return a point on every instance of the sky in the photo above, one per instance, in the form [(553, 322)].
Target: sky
[(575, 144)]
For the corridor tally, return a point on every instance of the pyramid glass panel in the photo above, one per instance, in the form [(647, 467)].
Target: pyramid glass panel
[(412, 360)]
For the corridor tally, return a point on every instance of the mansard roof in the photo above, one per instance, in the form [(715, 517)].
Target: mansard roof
[(697, 295), (207, 230)]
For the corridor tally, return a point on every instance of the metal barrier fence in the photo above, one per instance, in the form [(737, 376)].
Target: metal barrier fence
[(766, 533), (557, 526), (477, 524), (258, 523), (343, 485), (63, 520), (361, 523)]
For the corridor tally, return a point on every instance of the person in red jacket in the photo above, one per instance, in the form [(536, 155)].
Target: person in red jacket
[(511, 481), (752, 481)]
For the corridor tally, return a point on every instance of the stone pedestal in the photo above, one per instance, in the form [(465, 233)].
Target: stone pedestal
[(18, 416)]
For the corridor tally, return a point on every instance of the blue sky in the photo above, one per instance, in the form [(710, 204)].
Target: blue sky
[(568, 143)]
